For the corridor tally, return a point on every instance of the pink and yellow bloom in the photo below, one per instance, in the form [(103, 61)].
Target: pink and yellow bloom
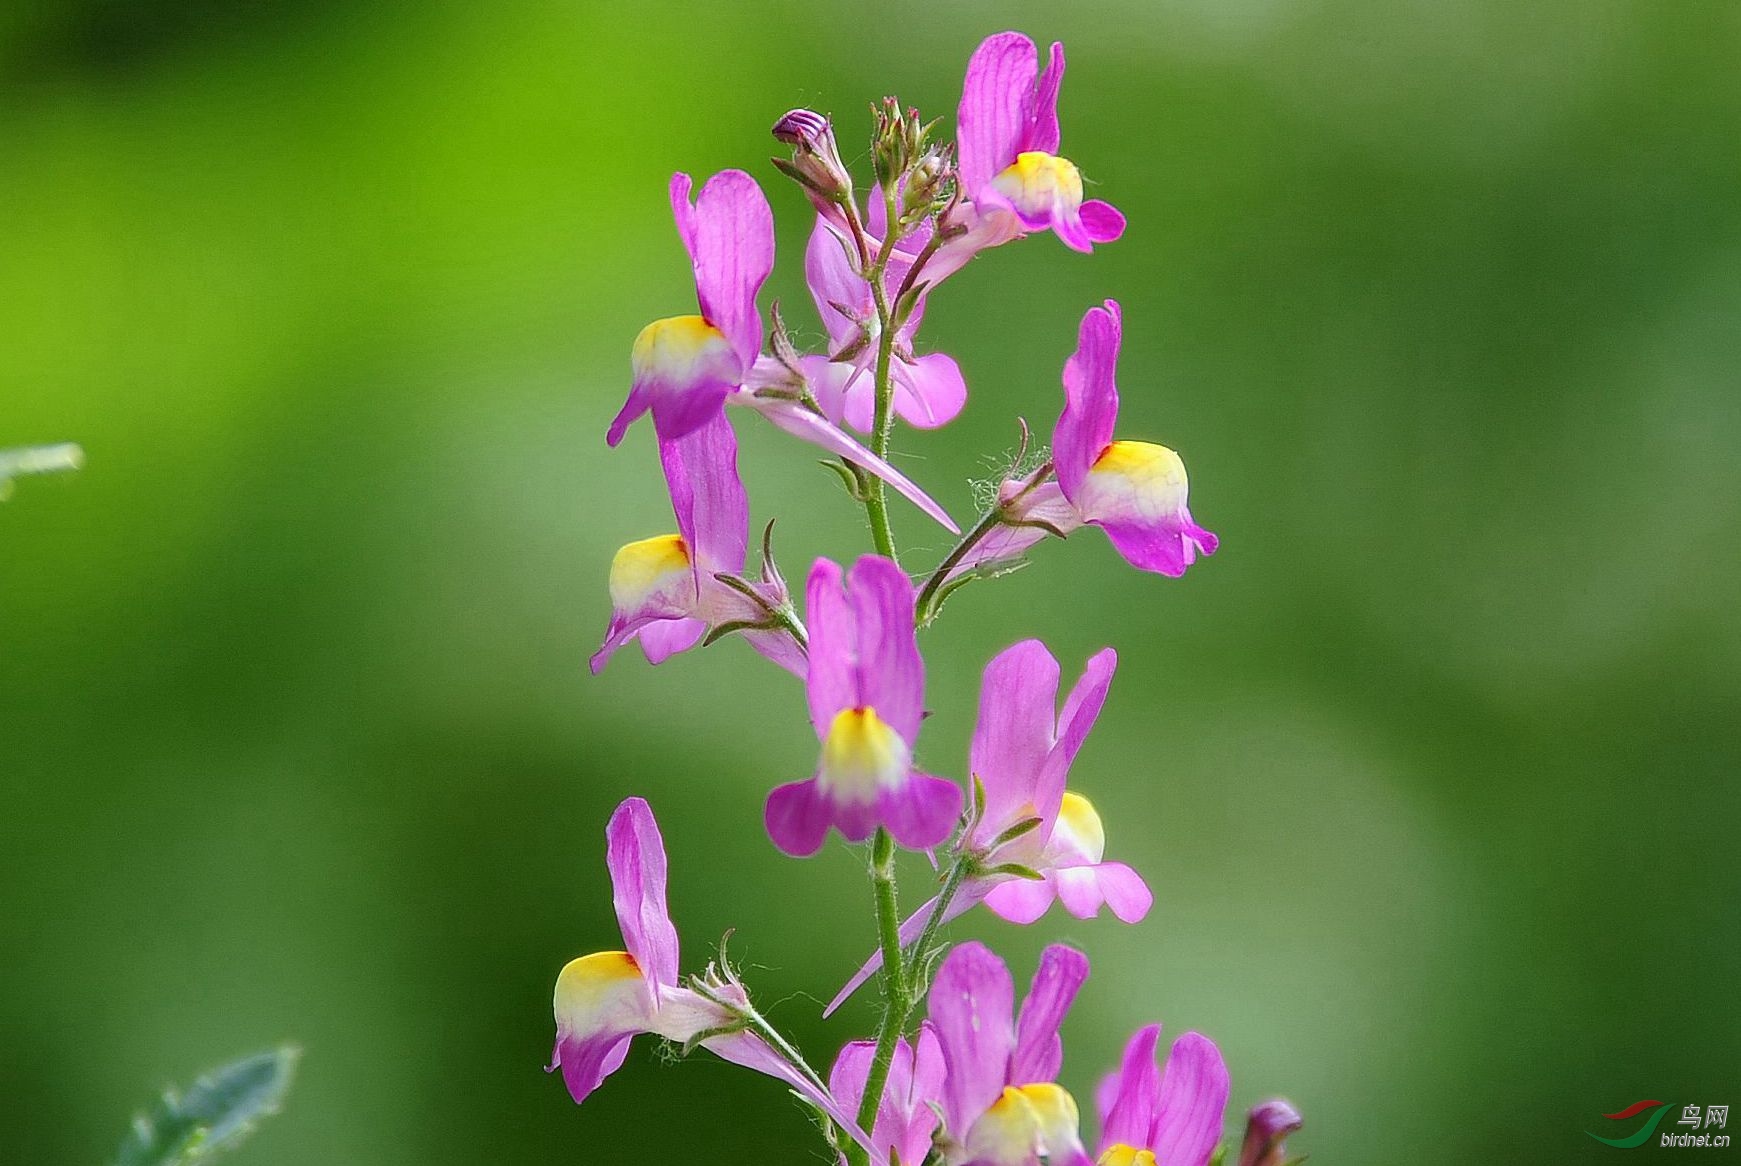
[(1001, 1103), (1135, 491), (1148, 1117), (1008, 137), (866, 689), (1023, 746), (686, 368), (929, 389), (604, 1000), (664, 590)]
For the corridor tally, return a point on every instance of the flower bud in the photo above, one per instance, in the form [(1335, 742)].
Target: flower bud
[(815, 164), (801, 127), (1270, 1123), (928, 184)]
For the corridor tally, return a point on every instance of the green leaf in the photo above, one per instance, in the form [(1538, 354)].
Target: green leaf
[(216, 1114)]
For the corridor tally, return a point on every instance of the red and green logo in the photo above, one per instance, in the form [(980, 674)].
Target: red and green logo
[(1642, 1134)]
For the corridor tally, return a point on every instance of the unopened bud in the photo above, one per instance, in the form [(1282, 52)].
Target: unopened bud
[(801, 127), (928, 185), (1266, 1131), (815, 164)]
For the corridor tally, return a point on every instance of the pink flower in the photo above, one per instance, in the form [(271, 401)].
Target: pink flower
[(866, 687), (1133, 490), (603, 1001), (685, 366), (664, 590), (1148, 1117), (1001, 1103), (905, 1119), (1007, 134), (1022, 750), (929, 390)]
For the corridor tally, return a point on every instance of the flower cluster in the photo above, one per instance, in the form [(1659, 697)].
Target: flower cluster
[(956, 1074)]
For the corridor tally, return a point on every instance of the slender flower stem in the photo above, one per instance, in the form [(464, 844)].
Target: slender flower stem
[(755, 1022), (895, 1002), (988, 522), (951, 885), (876, 501)]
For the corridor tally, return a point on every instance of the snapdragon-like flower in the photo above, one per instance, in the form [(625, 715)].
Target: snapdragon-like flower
[(665, 590), (604, 1000), (1008, 136), (1150, 1118), (1135, 491), (866, 688), (1023, 746), (929, 389), (906, 1119), (1001, 1103), (685, 368)]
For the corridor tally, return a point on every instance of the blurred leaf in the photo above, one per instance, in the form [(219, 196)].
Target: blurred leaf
[(217, 1114)]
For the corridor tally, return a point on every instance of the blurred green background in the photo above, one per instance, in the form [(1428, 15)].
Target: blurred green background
[(1432, 768)]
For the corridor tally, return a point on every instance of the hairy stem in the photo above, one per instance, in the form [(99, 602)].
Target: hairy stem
[(755, 1022), (988, 522), (894, 978), (876, 503), (951, 885)]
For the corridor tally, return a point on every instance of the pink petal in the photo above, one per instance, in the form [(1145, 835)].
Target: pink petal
[(1021, 901), (1018, 699), (970, 1005), (730, 237), (832, 681), (1043, 132), (635, 856), (889, 672), (1161, 547), (1039, 1052), (586, 1061), (1103, 221), (797, 817), (1081, 710), (713, 512), (1090, 398), (828, 270), (663, 639), (996, 114), (1079, 891), (1192, 1098), (922, 813), (1125, 891), (1127, 1106), (930, 392)]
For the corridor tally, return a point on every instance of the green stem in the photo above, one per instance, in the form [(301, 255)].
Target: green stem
[(755, 1022), (894, 979), (876, 501), (951, 885), (988, 522)]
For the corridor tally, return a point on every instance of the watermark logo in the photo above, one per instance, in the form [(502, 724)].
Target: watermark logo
[(1692, 1118)]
